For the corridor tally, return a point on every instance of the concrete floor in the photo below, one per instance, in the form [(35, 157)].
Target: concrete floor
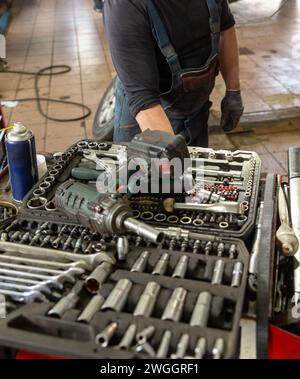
[(70, 32)]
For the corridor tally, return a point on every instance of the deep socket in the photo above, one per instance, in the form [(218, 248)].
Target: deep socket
[(201, 310), (141, 263), (174, 308), (91, 309), (161, 265), (128, 338), (116, 300), (218, 272), (147, 300), (98, 277), (181, 267), (237, 274), (106, 335), (143, 336)]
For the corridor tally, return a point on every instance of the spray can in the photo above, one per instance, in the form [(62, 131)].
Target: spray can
[(21, 155)]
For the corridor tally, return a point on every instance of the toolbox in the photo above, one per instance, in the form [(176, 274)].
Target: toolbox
[(181, 298), (29, 327), (243, 188)]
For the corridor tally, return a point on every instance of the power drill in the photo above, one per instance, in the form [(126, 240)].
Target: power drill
[(102, 213)]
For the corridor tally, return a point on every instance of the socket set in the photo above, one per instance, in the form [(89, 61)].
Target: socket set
[(7, 211), (156, 303), (222, 200)]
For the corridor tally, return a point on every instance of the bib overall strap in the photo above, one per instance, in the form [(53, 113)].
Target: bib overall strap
[(161, 36), (215, 26)]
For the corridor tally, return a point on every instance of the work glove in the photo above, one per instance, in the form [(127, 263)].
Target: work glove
[(232, 109)]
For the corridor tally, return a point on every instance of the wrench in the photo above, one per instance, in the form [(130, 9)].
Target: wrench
[(49, 282), (208, 172), (72, 271), (63, 277), (25, 297), (37, 262), (18, 287), (100, 164), (92, 260), (212, 162), (222, 207)]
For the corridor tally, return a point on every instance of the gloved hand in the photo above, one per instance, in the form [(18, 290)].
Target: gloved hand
[(232, 109)]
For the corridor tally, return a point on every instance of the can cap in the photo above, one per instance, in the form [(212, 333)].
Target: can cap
[(18, 133)]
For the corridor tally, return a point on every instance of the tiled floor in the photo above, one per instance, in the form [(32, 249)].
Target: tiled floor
[(44, 33)]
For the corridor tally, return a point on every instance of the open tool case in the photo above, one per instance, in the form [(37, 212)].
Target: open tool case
[(30, 327), (239, 182)]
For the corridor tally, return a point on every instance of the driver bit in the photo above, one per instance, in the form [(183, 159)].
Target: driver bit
[(218, 272)]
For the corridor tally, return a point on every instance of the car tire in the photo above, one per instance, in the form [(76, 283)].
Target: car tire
[(103, 126)]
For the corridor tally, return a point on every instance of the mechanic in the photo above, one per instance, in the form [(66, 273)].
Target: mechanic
[(167, 54)]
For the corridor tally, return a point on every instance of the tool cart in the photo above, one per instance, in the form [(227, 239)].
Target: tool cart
[(86, 274)]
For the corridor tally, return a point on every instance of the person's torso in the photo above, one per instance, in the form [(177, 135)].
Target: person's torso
[(187, 23)]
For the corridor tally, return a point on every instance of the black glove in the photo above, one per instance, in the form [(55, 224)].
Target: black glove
[(232, 109)]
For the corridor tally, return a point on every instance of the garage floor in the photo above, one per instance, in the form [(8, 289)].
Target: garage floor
[(69, 32)]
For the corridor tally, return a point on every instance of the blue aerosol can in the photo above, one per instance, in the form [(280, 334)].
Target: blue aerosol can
[(22, 163)]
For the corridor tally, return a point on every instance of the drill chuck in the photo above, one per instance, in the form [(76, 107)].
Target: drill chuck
[(103, 213)]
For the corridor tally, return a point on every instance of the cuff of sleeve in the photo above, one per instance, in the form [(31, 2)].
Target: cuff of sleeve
[(136, 108), (228, 25)]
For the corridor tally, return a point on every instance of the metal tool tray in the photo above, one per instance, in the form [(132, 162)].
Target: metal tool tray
[(28, 327), (73, 156)]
